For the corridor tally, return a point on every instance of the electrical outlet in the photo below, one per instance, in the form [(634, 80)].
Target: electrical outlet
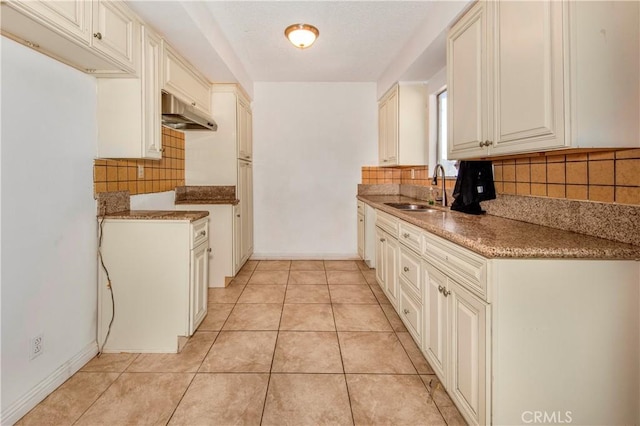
[(37, 346), (140, 172)]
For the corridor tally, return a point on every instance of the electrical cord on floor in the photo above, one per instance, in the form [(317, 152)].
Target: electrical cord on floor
[(109, 286)]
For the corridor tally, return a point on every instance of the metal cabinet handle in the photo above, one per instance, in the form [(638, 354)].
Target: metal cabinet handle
[(446, 292), (98, 36), (382, 240), (406, 269), (203, 233), (406, 311), (193, 104), (480, 144), (209, 250), (406, 235), (440, 288), (385, 160)]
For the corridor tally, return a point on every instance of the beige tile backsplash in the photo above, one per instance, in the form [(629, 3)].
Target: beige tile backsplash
[(606, 176), (159, 175)]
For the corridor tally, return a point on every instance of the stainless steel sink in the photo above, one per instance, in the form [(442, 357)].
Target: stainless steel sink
[(409, 206)]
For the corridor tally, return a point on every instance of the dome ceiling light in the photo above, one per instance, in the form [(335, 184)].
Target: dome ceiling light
[(301, 35)]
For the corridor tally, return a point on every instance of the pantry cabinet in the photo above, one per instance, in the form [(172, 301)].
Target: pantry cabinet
[(128, 109), (182, 80), (100, 37), (402, 138), (545, 75), (216, 158)]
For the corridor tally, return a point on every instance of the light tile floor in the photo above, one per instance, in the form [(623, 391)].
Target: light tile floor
[(287, 343)]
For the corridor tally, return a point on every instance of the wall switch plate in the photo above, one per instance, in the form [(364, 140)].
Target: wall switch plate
[(140, 172), (37, 346)]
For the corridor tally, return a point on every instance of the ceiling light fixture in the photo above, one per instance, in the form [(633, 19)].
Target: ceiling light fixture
[(301, 35)]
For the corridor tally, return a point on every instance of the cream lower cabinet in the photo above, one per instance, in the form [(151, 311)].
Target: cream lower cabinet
[(387, 264), (245, 195), (455, 341), (360, 225), (159, 273), (510, 337)]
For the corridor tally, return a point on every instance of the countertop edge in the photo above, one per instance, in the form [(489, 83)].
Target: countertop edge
[(491, 252), (232, 202), (179, 215)]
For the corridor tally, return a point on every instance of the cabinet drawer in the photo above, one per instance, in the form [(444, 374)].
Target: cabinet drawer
[(199, 232), (410, 236), (410, 270), (410, 311), (467, 267), (387, 222)]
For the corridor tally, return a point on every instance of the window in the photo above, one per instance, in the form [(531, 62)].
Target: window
[(441, 144)]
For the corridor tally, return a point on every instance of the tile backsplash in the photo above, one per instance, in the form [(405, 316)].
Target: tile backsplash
[(373, 175), (606, 176), (159, 175)]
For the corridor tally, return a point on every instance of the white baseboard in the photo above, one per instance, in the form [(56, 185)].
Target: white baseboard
[(305, 256), (28, 401)]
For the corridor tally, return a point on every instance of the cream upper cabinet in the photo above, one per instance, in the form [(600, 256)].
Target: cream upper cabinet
[(402, 138), (98, 37), (468, 105), (128, 109), (182, 80), (115, 32), (245, 129), (538, 76)]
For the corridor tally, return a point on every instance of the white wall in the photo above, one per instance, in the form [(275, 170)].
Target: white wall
[(48, 141), (310, 142)]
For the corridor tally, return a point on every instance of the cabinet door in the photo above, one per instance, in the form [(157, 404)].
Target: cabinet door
[(151, 67), (468, 106), (528, 76), (468, 325), (391, 269), (237, 238), (198, 286), (245, 185), (249, 145), (391, 140), (361, 236), (244, 123), (72, 17), (116, 33), (410, 311), (435, 330), (380, 257), (181, 81), (382, 133)]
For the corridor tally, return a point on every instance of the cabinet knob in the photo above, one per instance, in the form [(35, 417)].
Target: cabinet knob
[(406, 269), (237, 215), (406, 311), (446, 292), (385, 160), (98, 36), (193, 104), (209, 250), (203, 233), (382, 240), (406, 235), (361, 220), (480, 144), (440, 288)]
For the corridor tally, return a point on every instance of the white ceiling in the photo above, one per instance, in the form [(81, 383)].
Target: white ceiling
[(357, 39), (360, 41)]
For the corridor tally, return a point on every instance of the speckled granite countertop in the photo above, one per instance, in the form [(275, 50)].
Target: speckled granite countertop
[(496, 237), (206, 195), (191, 216)]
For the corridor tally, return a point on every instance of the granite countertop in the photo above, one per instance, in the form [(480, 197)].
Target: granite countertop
[(496, 237), (206, 195), (191, 216)]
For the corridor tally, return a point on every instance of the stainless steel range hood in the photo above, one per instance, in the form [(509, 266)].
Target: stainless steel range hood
[(181, 116)]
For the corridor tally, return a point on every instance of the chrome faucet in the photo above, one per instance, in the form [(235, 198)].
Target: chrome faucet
[(443, 196)]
